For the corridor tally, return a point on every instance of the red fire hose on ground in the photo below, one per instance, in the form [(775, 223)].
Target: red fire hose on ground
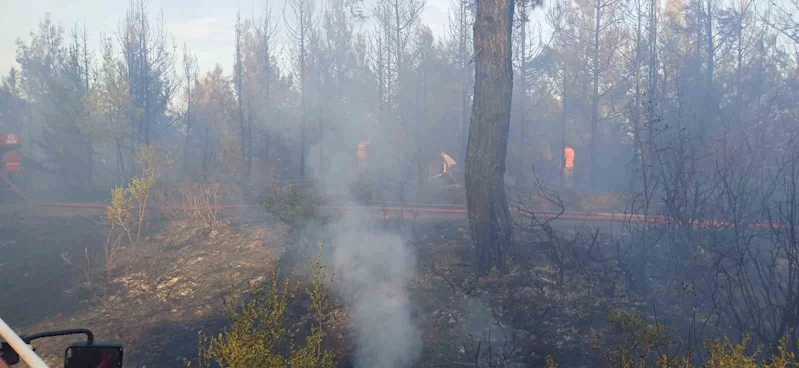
[(406, 210), (386, 208)]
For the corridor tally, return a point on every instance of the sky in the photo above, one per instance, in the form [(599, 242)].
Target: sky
[(205, 26)]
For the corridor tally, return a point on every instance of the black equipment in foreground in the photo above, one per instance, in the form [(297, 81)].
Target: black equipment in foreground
[(85, 354)]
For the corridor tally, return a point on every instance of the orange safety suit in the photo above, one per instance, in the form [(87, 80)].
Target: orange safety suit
[(363, 154), (568, 152), (449, 163)]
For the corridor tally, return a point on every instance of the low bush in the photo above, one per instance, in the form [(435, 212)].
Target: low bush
[(641, 344), (258, 335), (290, 204)]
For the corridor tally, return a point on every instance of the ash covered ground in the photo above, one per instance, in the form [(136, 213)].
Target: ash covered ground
[(173, 285)]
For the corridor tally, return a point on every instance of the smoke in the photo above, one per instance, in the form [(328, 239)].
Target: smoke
[(372, 268)]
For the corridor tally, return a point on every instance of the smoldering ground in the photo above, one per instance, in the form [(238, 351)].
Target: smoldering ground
[(370, 269)]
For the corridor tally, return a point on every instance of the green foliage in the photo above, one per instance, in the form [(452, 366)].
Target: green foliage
[(725, 354), (641, 341), (128, 207), (141, 186), (257, 335), (120, 207), (290, 204), (644, 345)]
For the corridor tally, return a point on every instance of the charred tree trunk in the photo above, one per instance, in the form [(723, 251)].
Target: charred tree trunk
[(420, 161), (595, 98), (239, 84), (486, 150), (465, 70), (653, 95), (709, 105), (249, 145), (523, 14), (563, 118)]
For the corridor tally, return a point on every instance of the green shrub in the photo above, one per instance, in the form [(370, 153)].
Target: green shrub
[(257, 335), (290, 204), (645, 345)]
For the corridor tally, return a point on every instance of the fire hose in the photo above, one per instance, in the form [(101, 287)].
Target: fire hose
[(384, 207), (412, 209)]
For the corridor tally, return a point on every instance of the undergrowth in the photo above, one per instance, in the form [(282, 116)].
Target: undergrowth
[(290, 204), (258, 335), (645, 345)]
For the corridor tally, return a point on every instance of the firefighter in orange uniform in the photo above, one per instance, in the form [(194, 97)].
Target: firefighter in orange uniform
[(449, 166), (568, 167), (363, 156)]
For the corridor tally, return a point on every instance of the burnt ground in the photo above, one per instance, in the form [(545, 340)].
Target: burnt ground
[(155, 302), (33, 274), (527, 311), (163, 293)]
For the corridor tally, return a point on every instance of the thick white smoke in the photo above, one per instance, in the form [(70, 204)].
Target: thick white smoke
[(373, 269)]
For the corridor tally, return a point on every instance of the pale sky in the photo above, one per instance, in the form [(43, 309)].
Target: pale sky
[(205, 25)]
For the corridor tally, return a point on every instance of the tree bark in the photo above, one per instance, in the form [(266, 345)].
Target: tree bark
[(523, 91), (595, 98), (239, 84), (465, 71), (563, 121), (709, 105), (486, 149)]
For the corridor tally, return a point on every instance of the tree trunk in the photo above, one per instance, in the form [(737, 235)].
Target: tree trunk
[(420, 161), (302, 102), (465, 71), (563, 118), (522, 159), (89, 185), (710, 104), (239, 84), (249, 146), (186, 152), (206, 153), (595, 97), (653, 95), (266, 150), (188, 123), (320, 109), (486, 150)]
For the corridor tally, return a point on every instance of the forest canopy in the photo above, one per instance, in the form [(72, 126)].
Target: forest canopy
[(613, 80)]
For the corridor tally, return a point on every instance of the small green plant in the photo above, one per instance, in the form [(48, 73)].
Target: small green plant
[(127, 216), (120, 215), (128, 207), (140, 187), (290, 204), (644, 345), (726, 354), (257, 335)]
